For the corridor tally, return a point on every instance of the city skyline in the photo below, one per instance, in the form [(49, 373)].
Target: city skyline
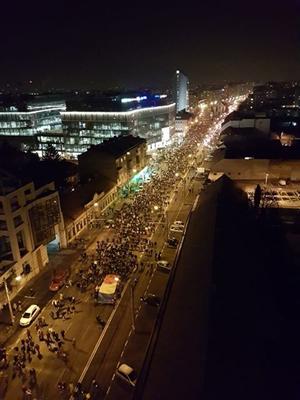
[(132, 45)]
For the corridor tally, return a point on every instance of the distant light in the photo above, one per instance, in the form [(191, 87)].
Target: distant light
[(95, 204), (248, 158), (177, 72), (18, 278), (131, 99)]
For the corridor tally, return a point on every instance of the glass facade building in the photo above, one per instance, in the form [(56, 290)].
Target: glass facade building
[(34, 117), (81, 129), (74, 128)]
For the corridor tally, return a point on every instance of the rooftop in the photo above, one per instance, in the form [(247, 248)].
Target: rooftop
[(118, 145), (116, 101), (73, 202)]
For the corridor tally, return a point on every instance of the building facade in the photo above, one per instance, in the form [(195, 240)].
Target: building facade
[(82, 129), (117, 159), (31, 117), (35, 123), (30, 219), (181, 91)]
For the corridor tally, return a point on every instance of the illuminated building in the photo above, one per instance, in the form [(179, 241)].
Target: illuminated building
[(88, 120), (148, 116), (181, 91), (28, 116)]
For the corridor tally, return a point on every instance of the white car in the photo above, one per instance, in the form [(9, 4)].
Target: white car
[(127, 373), (164, 265), (179, 224), (29, 315), (176, 228)]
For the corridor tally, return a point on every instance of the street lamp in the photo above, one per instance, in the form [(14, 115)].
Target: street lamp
[(155, 208), (266, 180)]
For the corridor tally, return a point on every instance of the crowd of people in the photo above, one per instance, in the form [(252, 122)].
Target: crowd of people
[(131, 236)]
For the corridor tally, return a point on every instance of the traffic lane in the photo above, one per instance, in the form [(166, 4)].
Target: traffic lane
[(74, 325), (134, 351), (137, 342), (107, 367), (41, 296), (51, 369), (111, 356), (104, 363)]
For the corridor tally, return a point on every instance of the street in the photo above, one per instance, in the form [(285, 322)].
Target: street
[(77, 348)]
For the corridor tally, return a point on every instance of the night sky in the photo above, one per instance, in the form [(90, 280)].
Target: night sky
[(104, 44)]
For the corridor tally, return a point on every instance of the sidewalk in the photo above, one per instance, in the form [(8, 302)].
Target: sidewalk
[(65, 258)]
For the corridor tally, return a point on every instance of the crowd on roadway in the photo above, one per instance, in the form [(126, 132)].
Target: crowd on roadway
[(131, 237)]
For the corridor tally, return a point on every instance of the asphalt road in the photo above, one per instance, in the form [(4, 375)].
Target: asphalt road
[(119, 343), (83, 326), (136, 341)]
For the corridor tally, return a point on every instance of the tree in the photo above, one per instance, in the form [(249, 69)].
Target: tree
[(51, 154)]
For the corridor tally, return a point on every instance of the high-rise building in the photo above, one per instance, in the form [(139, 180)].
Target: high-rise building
[(181, 91)]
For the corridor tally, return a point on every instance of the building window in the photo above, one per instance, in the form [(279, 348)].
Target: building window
[(21, 243), (5, 249), (18, 221), (3, 225), (26, 268), (14, 203)]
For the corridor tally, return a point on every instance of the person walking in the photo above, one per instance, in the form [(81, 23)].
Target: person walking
[(62, 332), (37, 348), (74, 342)]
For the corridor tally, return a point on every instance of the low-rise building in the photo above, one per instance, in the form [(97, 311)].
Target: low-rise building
[(182, 124), (83, 208), (117, 159)]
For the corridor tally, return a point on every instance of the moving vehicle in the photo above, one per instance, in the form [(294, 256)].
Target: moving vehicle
[(108, 288), (59, 280), (151, 300), (172, 243), (29, 315), (163, 266), (127, 373)]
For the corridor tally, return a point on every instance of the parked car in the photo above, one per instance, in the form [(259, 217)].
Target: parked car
[(179, 224), (58, 281), (151, 300), (176, 228), (127, 373), (29, 315), (164, 266), (172, 243)]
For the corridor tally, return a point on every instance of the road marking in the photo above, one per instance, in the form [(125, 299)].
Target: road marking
[(101, 336)]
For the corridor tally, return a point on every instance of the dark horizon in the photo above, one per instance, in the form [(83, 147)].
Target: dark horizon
[(130, 44)]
